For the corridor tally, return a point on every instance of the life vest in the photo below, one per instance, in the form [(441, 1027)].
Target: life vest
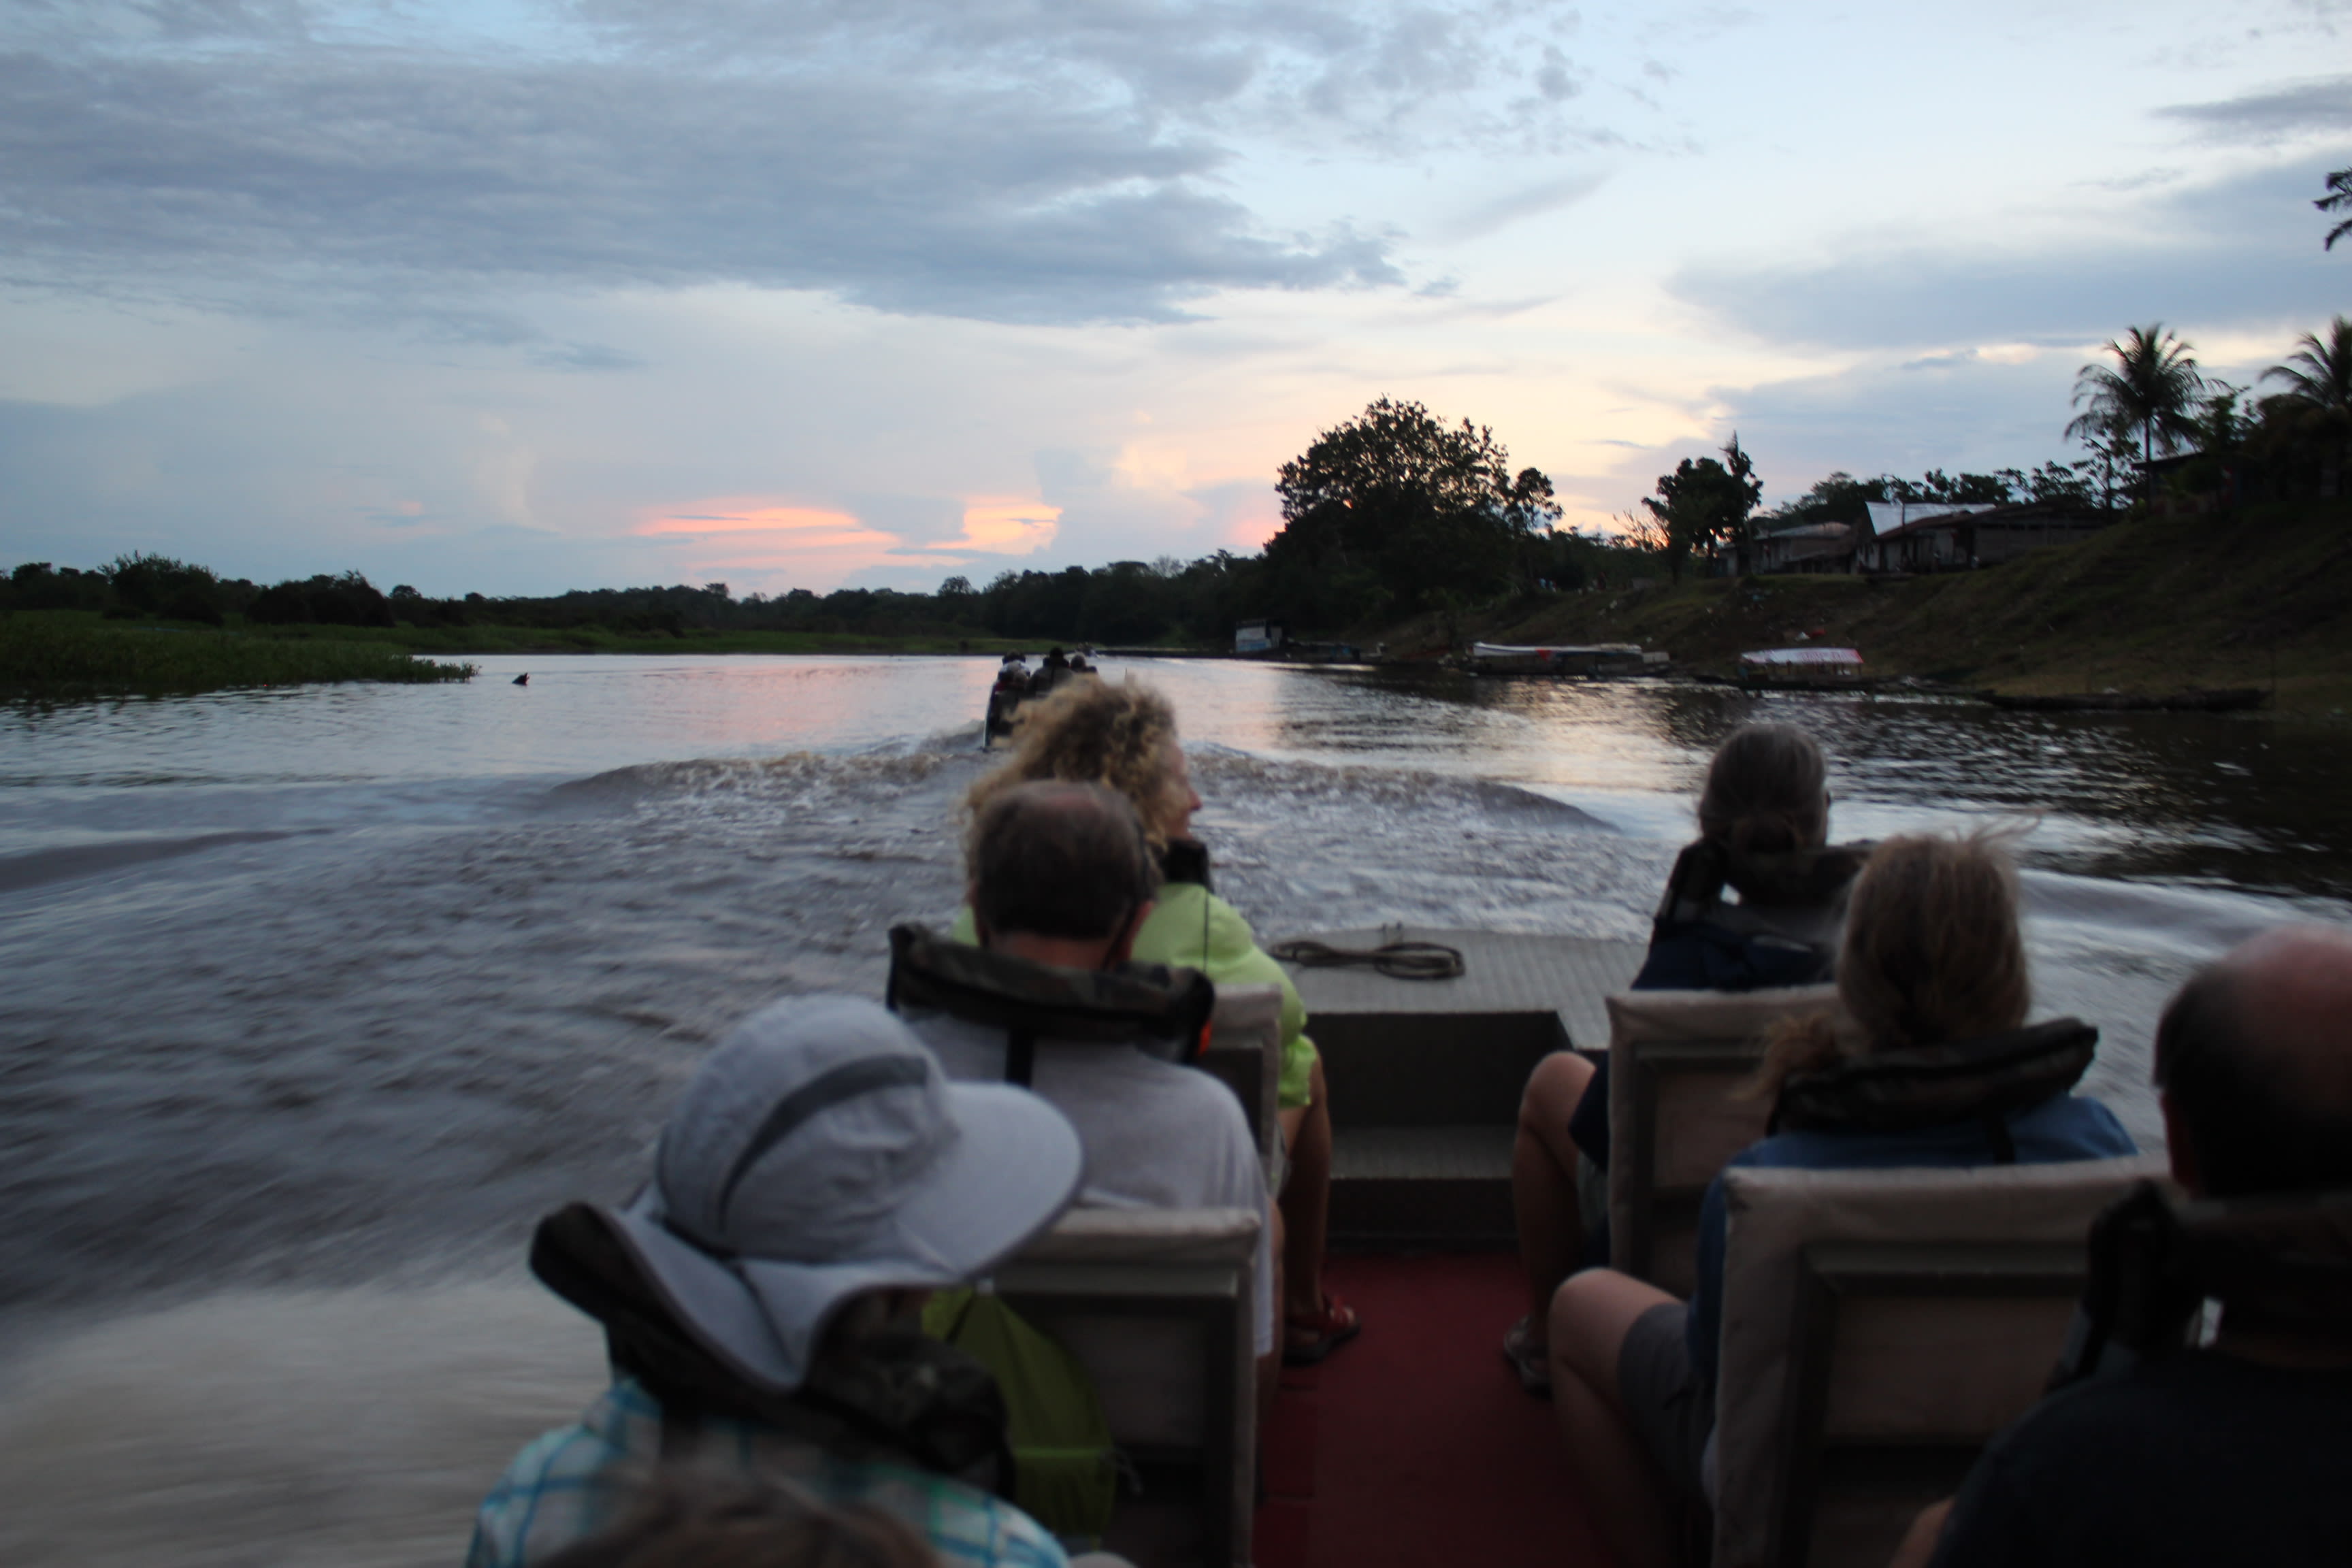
[(1783, 932), (2280, 1265), (1160, 1011), (903, 1397), (1987, 1079)]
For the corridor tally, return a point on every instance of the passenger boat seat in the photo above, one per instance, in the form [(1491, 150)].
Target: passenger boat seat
[(1678, 1062), (1157, 1304), (1878, 1327)]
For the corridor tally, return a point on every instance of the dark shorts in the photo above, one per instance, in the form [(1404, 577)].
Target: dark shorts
[(1663, 1402)]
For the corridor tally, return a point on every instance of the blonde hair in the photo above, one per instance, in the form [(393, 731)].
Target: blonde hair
[(1093, 731), (1932, 953)]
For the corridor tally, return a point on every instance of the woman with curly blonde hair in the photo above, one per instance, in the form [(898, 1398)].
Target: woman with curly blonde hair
[(1122, 735)]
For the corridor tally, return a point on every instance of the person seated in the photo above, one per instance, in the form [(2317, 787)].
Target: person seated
[(1764, 819), (1123, 735), (2236, 1452), (762, 1296), (1931, 972), (1062, 879)]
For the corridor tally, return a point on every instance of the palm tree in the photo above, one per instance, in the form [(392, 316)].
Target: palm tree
[(2154, 389), (2338, 199), (2320, 373)]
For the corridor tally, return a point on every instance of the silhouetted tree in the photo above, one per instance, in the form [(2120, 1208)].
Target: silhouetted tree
[(1395, 508), (2153, 390), (2338, 199)]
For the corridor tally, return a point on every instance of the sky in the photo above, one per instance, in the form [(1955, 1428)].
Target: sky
[(514, 296)]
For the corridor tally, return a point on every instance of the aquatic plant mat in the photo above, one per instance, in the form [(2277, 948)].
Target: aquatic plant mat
[(1415, 1443), (64, 654)]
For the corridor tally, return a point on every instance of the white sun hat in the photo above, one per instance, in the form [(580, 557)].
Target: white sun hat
[(820, 1153)]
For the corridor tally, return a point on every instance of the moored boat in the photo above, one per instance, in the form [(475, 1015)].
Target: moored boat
[(1552, 659), (1802, 670)]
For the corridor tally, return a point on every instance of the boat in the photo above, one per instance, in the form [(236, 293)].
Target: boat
[(1615, 658), (2223, 699), (1805, 669)]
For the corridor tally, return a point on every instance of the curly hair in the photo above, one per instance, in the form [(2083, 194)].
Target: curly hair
[(1092, 732), (1932, 953)]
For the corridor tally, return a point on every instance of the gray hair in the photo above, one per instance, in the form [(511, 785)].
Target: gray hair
[(1061, 859)]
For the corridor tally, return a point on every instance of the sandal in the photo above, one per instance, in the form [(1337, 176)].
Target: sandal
[(1532, 1361), (1323, 1331)]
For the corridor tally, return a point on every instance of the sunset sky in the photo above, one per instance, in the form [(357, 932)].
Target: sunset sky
[(518, 296)]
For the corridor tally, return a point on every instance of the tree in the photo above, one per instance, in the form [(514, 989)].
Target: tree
[(2338, 199), (2320, 373), (1396, 508), (2317, 407), (2154, 391), (1740, 502), (1704, 503)]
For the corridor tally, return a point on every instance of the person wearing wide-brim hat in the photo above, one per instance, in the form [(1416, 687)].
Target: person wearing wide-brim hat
[(816, 1180)]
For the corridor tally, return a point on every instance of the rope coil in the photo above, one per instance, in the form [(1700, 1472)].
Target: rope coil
[(1397, 960)]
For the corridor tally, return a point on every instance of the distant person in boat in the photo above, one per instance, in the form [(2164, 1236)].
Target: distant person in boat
[(1123, 734), (2238, 1452), (761, 1297), (1764, 820), (1931, 963), (1062, 878)]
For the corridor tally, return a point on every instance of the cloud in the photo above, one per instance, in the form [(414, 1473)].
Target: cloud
[(1533, 201), (2321, 104), (2243, 251), (395, 179)]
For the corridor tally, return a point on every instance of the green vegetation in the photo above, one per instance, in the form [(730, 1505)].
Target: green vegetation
[(55, 653), (2152, 604)]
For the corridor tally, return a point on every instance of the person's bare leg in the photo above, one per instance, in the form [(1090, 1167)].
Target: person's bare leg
[(1918, 1544), (1631, 1501), (1307, 1200), (1543, 1181)]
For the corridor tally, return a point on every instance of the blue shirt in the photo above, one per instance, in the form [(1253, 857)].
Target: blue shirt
[(2064, 1127)]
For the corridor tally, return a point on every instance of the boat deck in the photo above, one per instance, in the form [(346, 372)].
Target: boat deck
[(1423, 1159)]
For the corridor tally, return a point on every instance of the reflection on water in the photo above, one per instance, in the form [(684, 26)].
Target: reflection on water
[(342, 985)]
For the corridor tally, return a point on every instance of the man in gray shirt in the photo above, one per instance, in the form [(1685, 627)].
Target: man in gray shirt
[(1062, 879)]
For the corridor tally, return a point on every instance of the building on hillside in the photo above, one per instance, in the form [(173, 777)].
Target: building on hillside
[(1806, 547), (1952, 538), (1257, 637)]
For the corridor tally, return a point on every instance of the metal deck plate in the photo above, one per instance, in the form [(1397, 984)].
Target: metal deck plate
[(1502, 974)]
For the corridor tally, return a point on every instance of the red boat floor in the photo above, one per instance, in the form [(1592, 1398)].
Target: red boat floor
[(1414, 1444)]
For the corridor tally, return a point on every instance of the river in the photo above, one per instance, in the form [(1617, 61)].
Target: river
[(317, 997)]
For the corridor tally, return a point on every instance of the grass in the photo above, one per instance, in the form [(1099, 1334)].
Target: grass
[(2152, 605), (64, 653)]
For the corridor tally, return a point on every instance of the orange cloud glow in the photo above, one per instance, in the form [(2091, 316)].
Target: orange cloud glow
[(800, 546), (1006, 527)]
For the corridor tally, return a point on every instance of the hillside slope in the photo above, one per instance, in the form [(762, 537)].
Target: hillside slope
[(2155, 606)]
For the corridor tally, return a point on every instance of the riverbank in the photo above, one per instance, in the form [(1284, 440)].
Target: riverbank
[(73, 653), (2154, 607)]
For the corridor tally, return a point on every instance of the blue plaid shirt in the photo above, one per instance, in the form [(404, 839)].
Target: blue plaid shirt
[(571, 1482)]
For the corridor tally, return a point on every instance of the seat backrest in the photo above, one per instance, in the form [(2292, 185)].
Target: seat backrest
[(1677, 1063), (1245, 1052), (1157, 1304), (1878, 1327)]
